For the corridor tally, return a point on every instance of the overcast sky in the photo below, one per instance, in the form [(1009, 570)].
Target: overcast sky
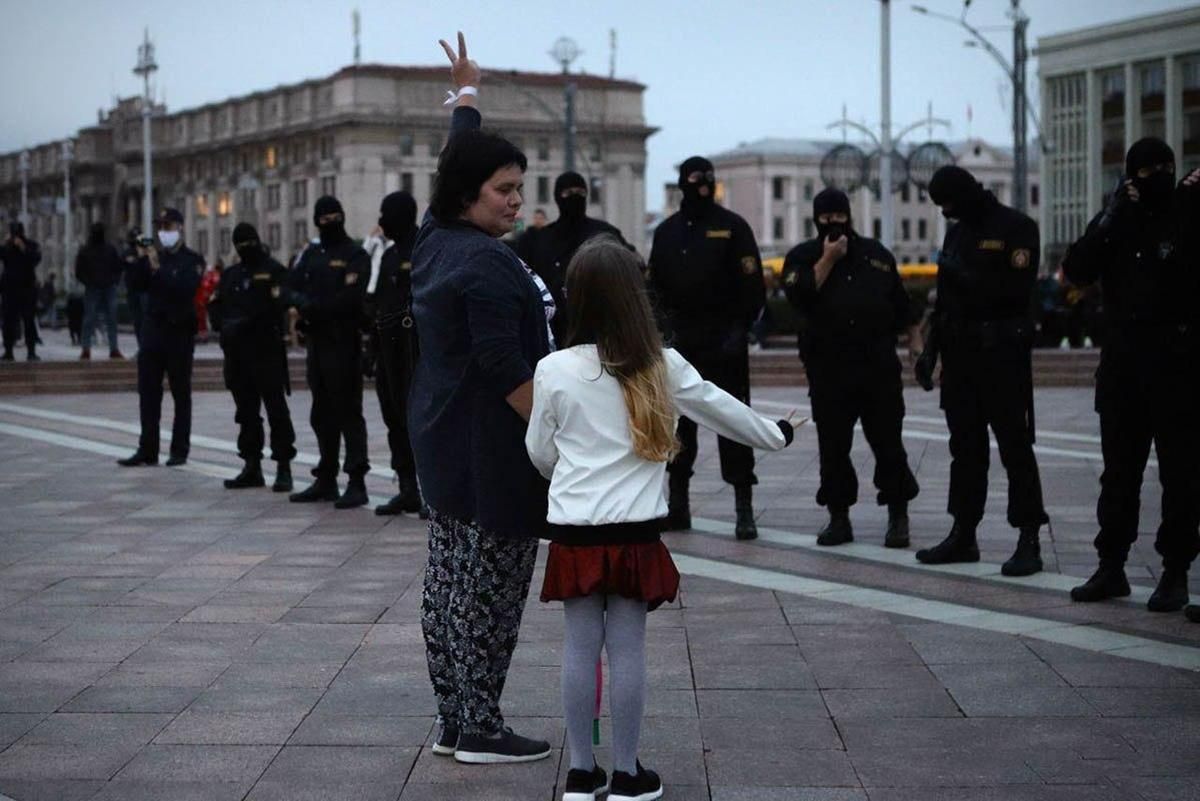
[(718, 72)]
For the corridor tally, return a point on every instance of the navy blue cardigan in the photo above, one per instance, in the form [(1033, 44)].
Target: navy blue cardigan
[(483, 329)]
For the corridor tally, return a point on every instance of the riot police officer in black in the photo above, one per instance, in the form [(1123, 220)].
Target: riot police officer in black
[(389, 304), (1143, 249), (18, 291), (706, 278), (850, 296), (328, 284), (248, 310), (983, 331), (168, 272), (548, 250)]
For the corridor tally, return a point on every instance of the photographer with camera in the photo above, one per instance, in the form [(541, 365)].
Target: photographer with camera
[(21, 256), (168, 272)]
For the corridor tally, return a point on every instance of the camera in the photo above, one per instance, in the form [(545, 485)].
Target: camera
[(145, 241)]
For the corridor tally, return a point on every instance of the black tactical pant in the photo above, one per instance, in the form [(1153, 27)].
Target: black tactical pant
[(20, 311), (256, 379), (1139, 406), (730, 372), (982, 388), (165, 353), (841, 397), (393, 376), (334, 371)]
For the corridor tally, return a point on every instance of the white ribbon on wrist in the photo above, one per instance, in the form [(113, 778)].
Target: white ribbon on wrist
[(452, 97)]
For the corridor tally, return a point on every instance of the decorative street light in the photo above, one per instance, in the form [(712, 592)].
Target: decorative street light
[(145, 66), (564, 51), (68, 155)]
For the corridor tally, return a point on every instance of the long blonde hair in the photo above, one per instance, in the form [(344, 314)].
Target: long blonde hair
[(607, 306)]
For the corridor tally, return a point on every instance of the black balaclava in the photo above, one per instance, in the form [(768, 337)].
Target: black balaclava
[(398, 215), (1155, 189), (693, 201), (247, 244), (572, 209), (96, 234), (331, 233), (957, 189), (832, 201), (17, 230)]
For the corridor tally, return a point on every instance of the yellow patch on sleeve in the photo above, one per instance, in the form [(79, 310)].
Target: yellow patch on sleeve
[(337, 264), (262, 276), (879, 264), (719, 233), (406, 265), (275, 292), (991, 244), (749, 265), (792, 278), (351, 279), (1021, 258)]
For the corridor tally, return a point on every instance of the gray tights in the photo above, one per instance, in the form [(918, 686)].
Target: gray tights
[(621, 631)]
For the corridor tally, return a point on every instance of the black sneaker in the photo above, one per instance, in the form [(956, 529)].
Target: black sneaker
[(447, 738), (507, 746), (585, 785), (645, 786)]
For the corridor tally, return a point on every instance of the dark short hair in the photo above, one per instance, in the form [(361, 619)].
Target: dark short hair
[(467, 162)]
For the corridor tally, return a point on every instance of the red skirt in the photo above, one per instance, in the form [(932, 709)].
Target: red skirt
[(642, 572)]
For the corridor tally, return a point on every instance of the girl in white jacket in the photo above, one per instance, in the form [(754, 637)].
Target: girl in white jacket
[(605, 409)]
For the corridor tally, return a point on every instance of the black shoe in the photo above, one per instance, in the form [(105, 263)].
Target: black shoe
[(507, 746), (679, 513), (1027, 559), (355, 495), (1107, 582), (424, 513), (745, 529), (7, 357), (896, 535), (447, 738), (251, 476), (283, 478), (319, 490), (1171, 594), (407, 500), (585, 785), (959, 546), (838, 530), (176, 461), (645, 786), (33, 357), (1192, 613), (137, 460)]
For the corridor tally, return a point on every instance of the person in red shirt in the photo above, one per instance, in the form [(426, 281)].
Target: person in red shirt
[(204, 293)]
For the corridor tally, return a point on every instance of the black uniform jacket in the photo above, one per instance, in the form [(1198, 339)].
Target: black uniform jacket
[(248, 306), (331, 283), (170, 291)]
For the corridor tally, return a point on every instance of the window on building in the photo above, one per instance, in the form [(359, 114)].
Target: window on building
[(202, 209), (224, 205), (1034, 195), (777, 228), (921, 196), (543, 189), (922, 229), (777, 188), (808, 191), (906, 260), (202, 243), (326, 147), (543, 148), (1190, 80), (595, 190), (435, 144), (406, 182), (226, 243), (877, 228), (299, 234), (299, 193), (272, 197), (329, 185), (406, 144), (906, 230), (904, 193), (273, 238), (271, 157), (596, 150), (809, 231), (249, 200), (299, 152)]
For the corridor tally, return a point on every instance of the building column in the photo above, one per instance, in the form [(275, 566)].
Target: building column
[(1173, 105), (1133, 106), (1093, 137), (767, 229)]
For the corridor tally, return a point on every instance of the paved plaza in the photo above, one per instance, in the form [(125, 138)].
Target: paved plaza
[(164, 639)]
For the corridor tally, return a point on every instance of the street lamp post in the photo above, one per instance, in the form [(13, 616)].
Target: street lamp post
[(68, 155), (144, 68), (23, 166), (887, 224), (564, 52)]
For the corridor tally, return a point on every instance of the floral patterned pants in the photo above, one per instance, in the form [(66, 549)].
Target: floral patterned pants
[(475, 589)]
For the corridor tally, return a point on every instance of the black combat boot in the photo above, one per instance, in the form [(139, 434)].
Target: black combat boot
[(679, 513), (1171, 594), (137, 460), (355, 495), (8, 355), (283, 477), (1107, 582), (745, 529), (251, 476), (320, 490), (33, 357), (407, 500), (1192, 613), (1027, 559), (838, 530), (959, 546), (896, 535)]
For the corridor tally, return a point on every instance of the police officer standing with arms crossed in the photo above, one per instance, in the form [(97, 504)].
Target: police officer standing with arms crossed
[(389, 307), (984, 332), (854, 304), (706, 277), (248, 311), (168, 273), (1143, 249), (18, 286), (328, 284)]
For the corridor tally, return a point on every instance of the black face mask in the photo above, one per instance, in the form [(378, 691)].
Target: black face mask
[(1156, 189), (834, 231), (572, 208), (398, 215), (332, 232), (693, 200), (250, 254)]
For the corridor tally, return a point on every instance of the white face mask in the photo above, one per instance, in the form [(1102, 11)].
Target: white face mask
[(168, 239)]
